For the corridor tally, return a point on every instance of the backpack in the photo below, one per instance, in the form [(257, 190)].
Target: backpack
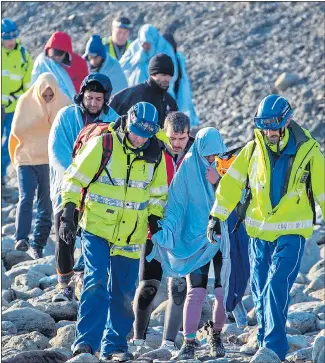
[(87, 133)]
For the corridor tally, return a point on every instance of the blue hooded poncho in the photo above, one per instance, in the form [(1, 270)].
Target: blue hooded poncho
[(110, 67), (135, 61), (181, 246), (44, 64)]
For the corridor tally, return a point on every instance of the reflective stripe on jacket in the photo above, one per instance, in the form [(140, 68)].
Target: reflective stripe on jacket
[(15, 76), (118, 204), (293, 214)]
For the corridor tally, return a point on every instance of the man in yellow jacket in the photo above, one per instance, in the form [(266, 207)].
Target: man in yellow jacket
[(130, 192), (117, 44), (15, 78), (285, 171)]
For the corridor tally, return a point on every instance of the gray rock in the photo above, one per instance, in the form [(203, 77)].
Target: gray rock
[(13, 258), (243, 338), (158, 315), (318, 354), (8, 328), (25, 342), (297, 342), (49, 260), (28, 281), (64, 337), (6, 281), (65, 351), (19, 304), (303, 321), (301, 355), (83, 358), (36, 356), (248, 302), (264, 355), (286, 80), (8, 229), (161, 354), (311, 255), (320, 324), (65, 310), (251, 317), (63, 323), (25, 295), (308, 306), (231, 330), (47, 269), (318, 294), (16, 271), (48, 281), (27, 320), (251, 346), (292, 331)]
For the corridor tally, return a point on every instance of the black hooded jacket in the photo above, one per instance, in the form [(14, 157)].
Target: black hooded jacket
[(148, 91)]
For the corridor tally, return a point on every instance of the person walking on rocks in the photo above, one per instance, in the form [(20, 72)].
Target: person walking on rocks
[(16, 72), (118, 43), (128, 195), (153, 90), (90, 106), (102, 62), (286, 174), (34, 115), (181, 245), (136, 60), (68, 67), (177, 128)]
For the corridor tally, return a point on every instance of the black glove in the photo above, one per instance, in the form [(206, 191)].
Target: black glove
[(213, 230), (153, 223), (68, 230)]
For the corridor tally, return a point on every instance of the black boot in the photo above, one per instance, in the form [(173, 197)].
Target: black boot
[(214, 340), (81, 348)]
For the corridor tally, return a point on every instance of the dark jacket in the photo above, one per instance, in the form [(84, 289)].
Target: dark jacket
[(148, 91)]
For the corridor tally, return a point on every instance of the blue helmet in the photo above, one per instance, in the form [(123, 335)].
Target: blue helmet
[(9, 29), (273, 113), (143, 119)]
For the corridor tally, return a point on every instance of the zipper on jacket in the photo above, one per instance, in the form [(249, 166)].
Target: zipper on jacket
[(132, 233)]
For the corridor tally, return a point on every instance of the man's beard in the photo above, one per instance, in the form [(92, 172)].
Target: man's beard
[(273, 139), (162, 85)]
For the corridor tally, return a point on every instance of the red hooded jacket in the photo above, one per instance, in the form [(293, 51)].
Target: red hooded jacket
[(78, 68)]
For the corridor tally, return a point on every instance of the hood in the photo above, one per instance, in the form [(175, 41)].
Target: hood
[(61, 41), (95, 46), (149, 34)]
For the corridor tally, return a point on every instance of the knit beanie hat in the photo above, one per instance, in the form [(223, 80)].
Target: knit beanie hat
[(161, 63)]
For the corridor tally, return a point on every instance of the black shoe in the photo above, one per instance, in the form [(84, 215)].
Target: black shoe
[(81, 348), (187, 351), (214, 340), (36, 252), (64, 293), (22, 245), (117, 357)]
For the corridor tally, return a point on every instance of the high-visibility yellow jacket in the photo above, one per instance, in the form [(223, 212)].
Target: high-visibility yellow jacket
[(293, 214), (118, 204), (110, 46), (16, 73)]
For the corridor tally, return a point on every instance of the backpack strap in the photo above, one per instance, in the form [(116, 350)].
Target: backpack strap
[(107, 152), (23, 54)]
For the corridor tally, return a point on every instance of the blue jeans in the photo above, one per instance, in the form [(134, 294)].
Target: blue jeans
[(5, 132), (30, 178), (274, 268), (105, 315)]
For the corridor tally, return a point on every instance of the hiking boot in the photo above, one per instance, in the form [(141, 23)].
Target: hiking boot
[(65, 293), (36, 252), (116, 357), (187, 350), (22, 245), (214, 340), (81, 348), (169, 345)]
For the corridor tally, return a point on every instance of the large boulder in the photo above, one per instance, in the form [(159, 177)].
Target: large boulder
[(311, 252), (64, 310), (28, 281), (303, 321), (64, 337), (264, 355), (297, 342), (28, 341), (318, 354), (35, 356), (13, 258), (301, 355), (28, 320), (83, 358), (8, 328)]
